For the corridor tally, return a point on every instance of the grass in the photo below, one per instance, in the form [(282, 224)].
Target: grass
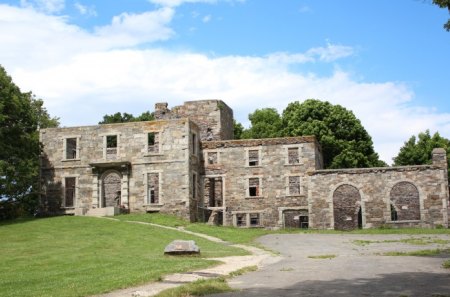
[(420, 253), (243, 270), (198, 288), (413, 241), (446, 264), (79, 256), (330, 256), (155, 218)]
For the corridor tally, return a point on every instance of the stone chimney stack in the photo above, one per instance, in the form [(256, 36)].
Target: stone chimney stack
[(439, 156), (161, 111)]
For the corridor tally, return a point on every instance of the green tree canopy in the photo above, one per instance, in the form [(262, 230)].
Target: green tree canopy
[(446, 5), (265, 123), (417, 151), (345, 143), (118, 117), (21, 115)]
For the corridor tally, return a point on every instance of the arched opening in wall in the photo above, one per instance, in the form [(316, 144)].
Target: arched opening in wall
[(405, 200), (347, 208), (111, 189)]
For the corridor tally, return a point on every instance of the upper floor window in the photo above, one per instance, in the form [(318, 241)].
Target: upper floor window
[(194, 143), (253, 158), (111, 146), (71, 148), (294, 185), (254, 187), (153, 142), (212, 158), (293, 155)]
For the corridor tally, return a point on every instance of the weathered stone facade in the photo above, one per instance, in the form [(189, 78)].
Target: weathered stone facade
[(186, 163)]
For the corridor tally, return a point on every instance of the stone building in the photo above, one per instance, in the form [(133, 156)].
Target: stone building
[(186, 163)]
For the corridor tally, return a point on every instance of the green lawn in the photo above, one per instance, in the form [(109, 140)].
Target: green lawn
[(80, 256)]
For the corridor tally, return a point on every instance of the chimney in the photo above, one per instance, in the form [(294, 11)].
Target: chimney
[(439, 156)]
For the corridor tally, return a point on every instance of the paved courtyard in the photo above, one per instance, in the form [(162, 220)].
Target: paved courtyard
[(355, 267)]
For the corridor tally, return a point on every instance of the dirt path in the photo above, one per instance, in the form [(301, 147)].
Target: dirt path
[(355, 267), (258, 258)]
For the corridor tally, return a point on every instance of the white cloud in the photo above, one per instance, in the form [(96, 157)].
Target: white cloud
[(85, 10), (46, 6), (83, 75), (175, 3), (206, 18)]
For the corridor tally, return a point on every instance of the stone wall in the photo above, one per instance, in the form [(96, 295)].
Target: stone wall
[(377, 189), (132, 160), (213, 117), (270, 195)]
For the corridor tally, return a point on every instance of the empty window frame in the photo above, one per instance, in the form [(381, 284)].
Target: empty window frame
[(194, 185), (254, 187), (111, 146), (253, 158), (293, 156), (153, 188), (294, 185), (194, 143), (241, 220), (69, 191), (71, 149), (254, 220), (394, 214), (212, 158), (153, 142)]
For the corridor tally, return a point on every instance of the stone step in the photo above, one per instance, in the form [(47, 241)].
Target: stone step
[(103, 211)]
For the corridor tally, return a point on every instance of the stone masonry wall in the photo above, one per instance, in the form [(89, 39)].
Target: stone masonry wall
[(132, 160), (273, 171), (375, 186), (213, 117)]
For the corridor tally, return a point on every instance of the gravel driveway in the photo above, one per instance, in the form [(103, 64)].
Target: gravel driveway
[(358, 267)]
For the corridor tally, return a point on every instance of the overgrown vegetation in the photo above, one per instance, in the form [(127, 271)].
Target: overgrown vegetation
[(198, 288), (413, 241), (330, 256), (421, 253), (62, 256)]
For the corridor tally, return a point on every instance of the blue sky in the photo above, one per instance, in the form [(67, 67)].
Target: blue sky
[(385, 60)]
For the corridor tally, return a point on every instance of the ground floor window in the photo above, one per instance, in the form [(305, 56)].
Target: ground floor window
[(153, 188), (69, 191), (250, 219)]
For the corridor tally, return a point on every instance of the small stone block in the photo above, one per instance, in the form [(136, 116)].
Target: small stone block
[(182, 247)]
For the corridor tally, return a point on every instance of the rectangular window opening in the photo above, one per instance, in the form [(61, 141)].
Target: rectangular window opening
[(153, 142), (194, 144), (253, 158), (241, 220), (253, 187), (194, 185), (212, 158), (71, 148), (293, 156), (69, 194), (294, 185), (153, 188), (254, 220), (111, 146)]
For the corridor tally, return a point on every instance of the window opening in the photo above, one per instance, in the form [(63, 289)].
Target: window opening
[(253, 187), (253, 158), (212, 158), (153, 188), (294, 185), (194, 144), (241, 219), (71, 148), (69, 196), (194, 185), (254, 220), (153, 142), (111, 146), (304, 222), (293, 157)]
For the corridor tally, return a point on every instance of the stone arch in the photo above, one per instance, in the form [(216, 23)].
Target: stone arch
[(404, 198), (111, 188), (347, 208)]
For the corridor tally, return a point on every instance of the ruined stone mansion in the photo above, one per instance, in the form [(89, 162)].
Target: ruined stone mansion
[(186, 163)]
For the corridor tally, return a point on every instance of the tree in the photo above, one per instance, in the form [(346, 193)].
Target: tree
[(446, 5), (126, 117), (265, 123), (238, 129), (345, 143), (21, 115), (417, 151)]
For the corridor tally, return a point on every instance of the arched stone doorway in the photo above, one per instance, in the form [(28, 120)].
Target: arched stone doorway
[(405, 202), (111, 189), (347, 208)]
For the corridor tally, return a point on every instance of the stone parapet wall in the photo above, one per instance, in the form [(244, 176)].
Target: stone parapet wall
[(258, 142)]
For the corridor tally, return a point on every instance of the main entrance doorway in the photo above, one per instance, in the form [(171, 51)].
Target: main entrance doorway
[(111, 189)]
